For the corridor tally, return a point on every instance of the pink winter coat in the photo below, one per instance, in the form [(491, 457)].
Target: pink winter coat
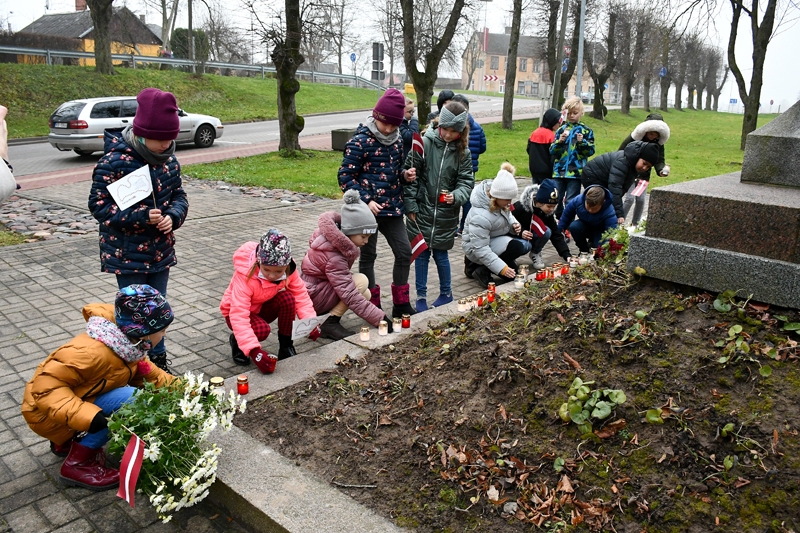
[(244, 297), (326, 271)]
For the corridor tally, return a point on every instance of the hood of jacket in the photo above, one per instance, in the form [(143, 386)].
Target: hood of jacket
[(480, 194), (527, 197), (329, 234), (652, 125)]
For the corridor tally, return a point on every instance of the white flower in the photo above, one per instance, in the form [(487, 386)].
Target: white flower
[(167, 518), (172, 418), (153, 452), (243, 405)]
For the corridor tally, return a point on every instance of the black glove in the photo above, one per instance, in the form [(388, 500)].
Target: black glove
[(388, 322), (99, 423)]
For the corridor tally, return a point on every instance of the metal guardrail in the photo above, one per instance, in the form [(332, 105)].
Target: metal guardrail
[(313, 76)]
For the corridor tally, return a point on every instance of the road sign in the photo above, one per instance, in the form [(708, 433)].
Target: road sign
[(489, 78), (662, 71), (605, 86), (734, 101), (564, 64), (353, 57)]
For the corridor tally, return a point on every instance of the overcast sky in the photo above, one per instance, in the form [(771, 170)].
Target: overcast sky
[(781, 72)]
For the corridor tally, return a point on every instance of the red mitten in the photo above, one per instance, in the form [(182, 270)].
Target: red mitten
[(263, 360), (315, 333)]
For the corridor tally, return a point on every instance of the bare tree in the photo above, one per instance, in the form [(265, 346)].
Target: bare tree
[(389, 21), (169, 13), (341, 16), (679, 67), (550, 10), (693, 58), (713, 82), (511, 66), (472, 57), (226, 43), (632, 27), (102, 12), (609, 59)]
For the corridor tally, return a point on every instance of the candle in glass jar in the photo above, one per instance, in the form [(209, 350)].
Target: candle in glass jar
[(383, 328), (556, 269), (443, 196), (523, 269), (462, 305), (471, 303), (573, 263), (541, 275), (491, 287), (242, 385), (480, 300), (406, 321), (397, 325), (365, 333), (583, 258), (490, 297), (216, 386), (519, 281), (564, 270)]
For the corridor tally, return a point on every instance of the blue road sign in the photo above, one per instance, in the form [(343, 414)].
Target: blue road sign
[(564, 64), (734, 101), (353, 57), (662, 71), (605, 86)]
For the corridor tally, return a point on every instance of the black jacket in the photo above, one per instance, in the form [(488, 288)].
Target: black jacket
[(615, 171)]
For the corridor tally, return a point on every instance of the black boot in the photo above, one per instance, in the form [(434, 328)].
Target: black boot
[(482, 275), (286, 347), (161, 361), (332, 329), (469, 267), (238, 355)]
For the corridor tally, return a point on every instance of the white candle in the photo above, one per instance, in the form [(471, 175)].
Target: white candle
[(383, 328), (365, 333)]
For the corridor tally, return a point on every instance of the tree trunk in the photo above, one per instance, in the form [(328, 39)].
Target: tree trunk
[(101, 12), (646, 87), (678, 94), (287, 58), (599, 110), (690, 96), (511, 67)]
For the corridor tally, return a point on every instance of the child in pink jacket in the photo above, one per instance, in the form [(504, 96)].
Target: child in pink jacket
[(266, 285), (333, 249)]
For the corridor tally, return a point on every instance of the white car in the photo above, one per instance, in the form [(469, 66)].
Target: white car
[(79, 125)]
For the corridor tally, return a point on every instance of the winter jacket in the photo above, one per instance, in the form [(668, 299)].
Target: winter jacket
[(571, 155), (604, 219), (245, 296), (638, 135), (540, 160), (326, 271), (482, 226), (375, 171), (524, 211), (58, 400), (441, 169), (128, 244), (477, 142), (407, 130), (614, 171)]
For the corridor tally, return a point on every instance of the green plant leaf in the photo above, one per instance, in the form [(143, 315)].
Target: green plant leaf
[(782, 318), (640, 314), (727, 429), (615, 395), (791, 326), (653, 416), (728, 462), (735, 330), (721, 306), (765, 371), (602, 410), (728, 295), (558, 464), (723, 359), (720, 344)]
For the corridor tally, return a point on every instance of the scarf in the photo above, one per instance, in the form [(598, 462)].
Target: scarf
[(105, 331), (151, 157), (386, 140)]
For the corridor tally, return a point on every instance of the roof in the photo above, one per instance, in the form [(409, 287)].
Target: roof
[(79, 25)]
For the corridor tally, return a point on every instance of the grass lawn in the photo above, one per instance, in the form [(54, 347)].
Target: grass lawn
[(702, 144)]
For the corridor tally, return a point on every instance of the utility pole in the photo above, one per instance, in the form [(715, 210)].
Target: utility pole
[(560, 56), (579, 69), (191, 38)]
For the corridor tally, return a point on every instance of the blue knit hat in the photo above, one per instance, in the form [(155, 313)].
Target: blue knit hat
[(547, 193), (140, 310), (274, 249)]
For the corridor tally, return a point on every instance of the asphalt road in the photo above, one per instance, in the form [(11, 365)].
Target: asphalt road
[(38, 157)]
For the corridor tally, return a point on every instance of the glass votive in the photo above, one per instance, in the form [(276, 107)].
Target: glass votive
[(479, 301), (491, 287), (242, 385), (383, 328), (541, 274), (365, 333), (592, 251), (583, 258), (406, 321), (471, 303), (523, 269), (216, 386), (564, 270), (462, 305), (519, 281), (397, 324), (573, 263), (556, 269), (490, 297), (443, 196)]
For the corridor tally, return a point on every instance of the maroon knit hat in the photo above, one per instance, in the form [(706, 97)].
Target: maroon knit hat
[(390, 107), (157, 115)]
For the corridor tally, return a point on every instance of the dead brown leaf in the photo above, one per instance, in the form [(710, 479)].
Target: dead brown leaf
[(572, 362), (611, 429), (565, 485), (384, 420)]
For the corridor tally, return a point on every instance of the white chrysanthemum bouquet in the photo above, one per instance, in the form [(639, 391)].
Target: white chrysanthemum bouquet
[(174, 422)]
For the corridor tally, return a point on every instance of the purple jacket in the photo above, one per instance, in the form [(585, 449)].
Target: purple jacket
[(326, 271)]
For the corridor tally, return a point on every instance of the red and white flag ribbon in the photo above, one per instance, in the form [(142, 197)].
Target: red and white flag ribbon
[(418, 245), (417, 145), (640, 188), (129, 468)]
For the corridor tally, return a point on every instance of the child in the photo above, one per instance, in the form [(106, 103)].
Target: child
[(617, 170), (534, 210), (408, 127), (74, 391), (7, 182), (490, 241), (332, 250), (656, 131), (373, 166), (446, 165), (573, 146), (477, 146), (540, 160), (265, 286), (595, 214), (138, 243)]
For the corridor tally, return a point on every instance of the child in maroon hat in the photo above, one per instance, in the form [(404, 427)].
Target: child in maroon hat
[(373, 167), (137, 243)]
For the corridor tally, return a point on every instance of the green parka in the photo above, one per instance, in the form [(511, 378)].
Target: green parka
[(440, 169)]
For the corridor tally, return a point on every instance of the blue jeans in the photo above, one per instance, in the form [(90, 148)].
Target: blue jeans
[(109, 402), (568, 188), (157, 280), (442, 267), (537, 243), (585, 235)]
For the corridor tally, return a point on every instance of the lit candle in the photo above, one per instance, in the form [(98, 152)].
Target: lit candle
[(383, 328), (519, 281), (564, 270), (242, 385), (556, 269), (365, 333), (489, 297), (480, 300), (397, 324), (583, 258), (462, 305), (471, 303), (491, 287), (443, 196), (406, 321), (541, 275), (573, 263)]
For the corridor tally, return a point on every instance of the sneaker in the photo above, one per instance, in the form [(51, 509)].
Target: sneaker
[(422, 305), (443, 299), (538, 262)]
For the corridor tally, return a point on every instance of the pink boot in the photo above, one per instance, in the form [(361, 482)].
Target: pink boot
[(402, 306), (375, 296)]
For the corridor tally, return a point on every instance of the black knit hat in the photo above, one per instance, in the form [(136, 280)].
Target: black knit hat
[(649, 153), (444, 97)]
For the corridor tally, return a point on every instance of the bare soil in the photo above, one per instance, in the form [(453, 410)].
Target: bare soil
[(457, 429)]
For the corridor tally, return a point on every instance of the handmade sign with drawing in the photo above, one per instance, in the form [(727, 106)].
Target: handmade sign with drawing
[(302, 327), (132, 188)]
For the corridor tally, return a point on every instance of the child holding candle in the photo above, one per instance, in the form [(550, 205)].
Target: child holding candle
[(445, 165), (265, 285), (595, 214), (534, 210), (333, 248), (572, 148)]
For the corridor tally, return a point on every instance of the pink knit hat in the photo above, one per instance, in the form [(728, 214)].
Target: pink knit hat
[(157, 115), (390, 107)]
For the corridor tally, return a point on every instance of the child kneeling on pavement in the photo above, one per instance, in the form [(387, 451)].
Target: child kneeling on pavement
[(265, 285), (74, 391), (535, 210), (595, 214), (491, 240), (334, 247)]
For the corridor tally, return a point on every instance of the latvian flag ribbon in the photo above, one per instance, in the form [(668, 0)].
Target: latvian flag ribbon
[(418, 245), (129, 468), (417, 145), (640, 188), (538, 227)]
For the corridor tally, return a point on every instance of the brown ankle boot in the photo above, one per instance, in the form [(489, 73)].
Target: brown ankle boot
[(332, 329), (85, 467)]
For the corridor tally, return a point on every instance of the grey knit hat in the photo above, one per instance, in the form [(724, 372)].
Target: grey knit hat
[(504, 186), (357, 219), (274, 249), (449, 120)]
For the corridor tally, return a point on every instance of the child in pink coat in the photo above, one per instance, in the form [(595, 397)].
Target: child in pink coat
[(266, 285), (333, 249)]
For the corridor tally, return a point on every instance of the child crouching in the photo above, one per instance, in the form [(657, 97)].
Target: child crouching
[(333, 248), (595, 214), (534, 210)]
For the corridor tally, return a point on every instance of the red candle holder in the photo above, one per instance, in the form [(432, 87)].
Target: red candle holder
[(242, 385), (490, 297), (491, 288), (480, 300), (443, 196), (541, 275), (406, 321), (564, 270)]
